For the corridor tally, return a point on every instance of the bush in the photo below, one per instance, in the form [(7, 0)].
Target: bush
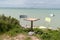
[(46, 36), (38, 31), (8, 23)]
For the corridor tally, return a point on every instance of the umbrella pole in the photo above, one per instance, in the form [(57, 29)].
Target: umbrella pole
[(31, 25)]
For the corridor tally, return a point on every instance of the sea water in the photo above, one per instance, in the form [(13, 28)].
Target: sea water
[(34, 13)]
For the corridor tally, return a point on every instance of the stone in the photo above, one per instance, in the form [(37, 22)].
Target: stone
[(31, 33)]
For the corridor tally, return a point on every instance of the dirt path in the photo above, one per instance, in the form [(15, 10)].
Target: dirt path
[(20, 37), (34, 38)]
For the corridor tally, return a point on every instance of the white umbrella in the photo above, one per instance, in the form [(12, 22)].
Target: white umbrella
[(52, 15)]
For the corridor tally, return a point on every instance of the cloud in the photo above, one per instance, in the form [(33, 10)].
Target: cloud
[(12, 3), (29, 3)]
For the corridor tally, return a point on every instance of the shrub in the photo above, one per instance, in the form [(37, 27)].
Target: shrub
[(8, 23), (38, 31), (46, 36)]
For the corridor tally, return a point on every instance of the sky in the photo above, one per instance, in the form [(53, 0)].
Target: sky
[(30, 3)]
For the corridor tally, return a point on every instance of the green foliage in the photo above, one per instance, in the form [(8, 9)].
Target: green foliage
[(41, 34), (46, 36), (8, 23), (11, 26), (26, 30), (38, 31), (55, 35), (14, 31), (49, 34)]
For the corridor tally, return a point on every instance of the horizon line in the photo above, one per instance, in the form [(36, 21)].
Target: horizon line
[(24, 8)]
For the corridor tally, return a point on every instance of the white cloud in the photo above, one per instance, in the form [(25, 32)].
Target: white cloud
[(40, 2), (29, 3), (13, 2)]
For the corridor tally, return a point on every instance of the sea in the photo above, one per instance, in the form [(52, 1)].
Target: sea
[(39, 13)]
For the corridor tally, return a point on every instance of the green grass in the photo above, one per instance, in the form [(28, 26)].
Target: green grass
[(49, 34)]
